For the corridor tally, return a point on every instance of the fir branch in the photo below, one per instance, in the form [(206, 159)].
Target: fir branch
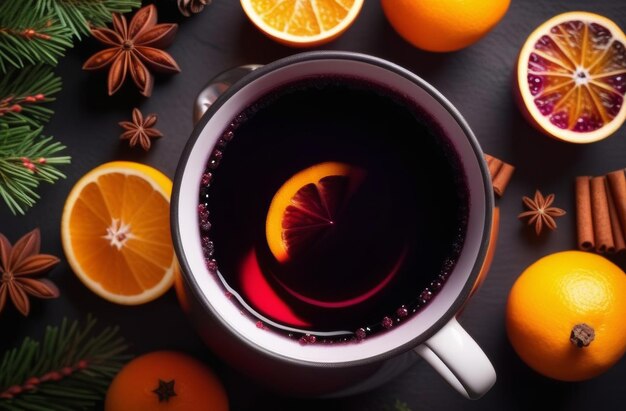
[(29, 38), (22, 91), (26, 159), (80, 15), (70, 369)]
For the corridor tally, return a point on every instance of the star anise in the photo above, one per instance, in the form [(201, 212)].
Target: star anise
[(540, 211), (140, 130), (19, 265), (134, 48)]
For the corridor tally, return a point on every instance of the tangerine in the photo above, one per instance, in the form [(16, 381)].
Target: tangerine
[(444, 25), (564, 315), (166, 380)]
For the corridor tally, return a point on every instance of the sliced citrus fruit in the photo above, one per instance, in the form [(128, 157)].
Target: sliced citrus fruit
[(116, 232), (571, 77), (302, 23), (305, 207)]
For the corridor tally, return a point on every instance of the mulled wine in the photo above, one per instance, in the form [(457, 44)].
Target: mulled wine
[(332, 209)]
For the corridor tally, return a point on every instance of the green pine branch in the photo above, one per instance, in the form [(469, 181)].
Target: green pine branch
[(27, 37), (39, 31), (79, 15), (26, 160), (22, 93), (70, 369)]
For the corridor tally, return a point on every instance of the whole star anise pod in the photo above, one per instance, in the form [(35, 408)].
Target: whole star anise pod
[(134, 48), (140, 130), (19, 265), (540, 213), (189, 7)]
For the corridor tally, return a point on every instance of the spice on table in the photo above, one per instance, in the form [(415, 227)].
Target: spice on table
[(618, 236), (134, 49), (140, 130), (19, 265), (601, 212), (500, 172), (584, 216), (617, 184), (600, 209), (540, 211)]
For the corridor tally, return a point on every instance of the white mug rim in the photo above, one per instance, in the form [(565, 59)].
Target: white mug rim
[(188, 273)]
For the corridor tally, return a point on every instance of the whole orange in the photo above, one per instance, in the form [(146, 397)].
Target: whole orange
[(444, 25), (563, 302), (166, 380)]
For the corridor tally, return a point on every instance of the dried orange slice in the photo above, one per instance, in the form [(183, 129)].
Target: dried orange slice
[(302, 23), (571, 77), (115, 230), (305, 207)]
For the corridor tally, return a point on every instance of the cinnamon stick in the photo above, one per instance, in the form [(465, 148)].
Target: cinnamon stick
[(616, 229), (584, 217), (494, 165), (601, 218), (617, 184), (500, 172), (502, 178)]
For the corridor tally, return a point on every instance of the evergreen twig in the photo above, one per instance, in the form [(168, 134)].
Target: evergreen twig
[(29, 38), (79, 15), (26, 159), (39, 31), (70, 369), (22, 91)]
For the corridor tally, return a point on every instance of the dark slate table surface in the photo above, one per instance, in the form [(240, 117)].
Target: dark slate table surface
[(477, 80)]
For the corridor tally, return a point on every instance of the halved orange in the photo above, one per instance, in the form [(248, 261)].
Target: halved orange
[(571, 77), (302, 23), (306, 206), (116, 232)]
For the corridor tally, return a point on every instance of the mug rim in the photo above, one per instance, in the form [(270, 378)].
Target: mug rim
[(463, 295)]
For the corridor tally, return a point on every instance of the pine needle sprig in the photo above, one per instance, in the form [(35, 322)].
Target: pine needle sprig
[(26, 160), (80, 15), (70, 369), (22, 93), (29, 38)]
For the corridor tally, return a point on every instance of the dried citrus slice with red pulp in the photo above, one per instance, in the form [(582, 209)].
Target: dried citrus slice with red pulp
[(571, 77)]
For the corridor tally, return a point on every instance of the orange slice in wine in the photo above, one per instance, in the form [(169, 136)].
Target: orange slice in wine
[(306, 207), (571, 77)]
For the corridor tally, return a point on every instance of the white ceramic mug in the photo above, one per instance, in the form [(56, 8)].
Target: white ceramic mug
[(319, 370)]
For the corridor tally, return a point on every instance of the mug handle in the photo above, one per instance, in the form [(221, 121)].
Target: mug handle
[(217, 86), (459, 360)]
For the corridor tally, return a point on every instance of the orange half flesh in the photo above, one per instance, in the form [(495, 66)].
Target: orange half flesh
[(572, 77), (115, 232)]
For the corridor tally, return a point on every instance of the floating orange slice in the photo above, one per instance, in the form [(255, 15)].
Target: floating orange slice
[(302, 23), (306, 206), (571, 77), (116, 232)]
